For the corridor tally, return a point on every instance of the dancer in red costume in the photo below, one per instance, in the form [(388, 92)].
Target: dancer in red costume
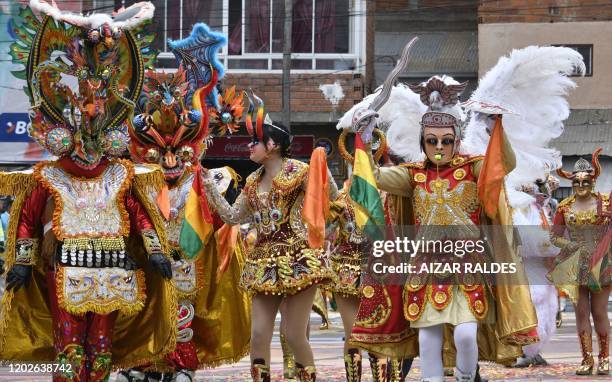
[(171, 130), (84, 239), (454, 188)]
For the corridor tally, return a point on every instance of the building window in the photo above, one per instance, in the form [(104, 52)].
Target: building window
[(586, 50), (173, 19), (322, 34), (325, 35)]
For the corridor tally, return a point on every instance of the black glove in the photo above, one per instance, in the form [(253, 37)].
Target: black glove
[(18, 276), (1, 267), (162, 264)]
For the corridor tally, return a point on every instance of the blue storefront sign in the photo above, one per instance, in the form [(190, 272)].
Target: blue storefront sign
[(14, 127)]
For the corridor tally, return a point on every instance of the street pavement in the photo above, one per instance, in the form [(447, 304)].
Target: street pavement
[(562, 353)]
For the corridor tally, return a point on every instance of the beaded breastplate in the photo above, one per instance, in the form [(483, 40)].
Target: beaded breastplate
[(280, 208), (90, 216), (584, 226)]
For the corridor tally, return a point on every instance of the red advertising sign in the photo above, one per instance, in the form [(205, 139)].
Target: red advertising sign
[(238, 147)]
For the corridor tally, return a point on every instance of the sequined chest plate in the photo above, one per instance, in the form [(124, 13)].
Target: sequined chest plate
[(88, 207), (443, 205)]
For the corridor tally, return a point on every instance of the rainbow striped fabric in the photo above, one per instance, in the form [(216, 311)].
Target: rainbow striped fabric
[(198, 223), (369, 213)]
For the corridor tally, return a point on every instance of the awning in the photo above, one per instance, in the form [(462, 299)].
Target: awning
[(454, 53), (584, 139)]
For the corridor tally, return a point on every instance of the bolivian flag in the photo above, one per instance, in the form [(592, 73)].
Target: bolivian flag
[(198, 223), (369, 213)]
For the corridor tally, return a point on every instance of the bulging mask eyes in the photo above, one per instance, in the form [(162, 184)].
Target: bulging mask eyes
[(105, 74), (185, 153), (152, 155)]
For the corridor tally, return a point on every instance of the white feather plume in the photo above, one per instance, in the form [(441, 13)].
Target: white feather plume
[(400, 116), (143, 11), (535, 247), (533, 83)]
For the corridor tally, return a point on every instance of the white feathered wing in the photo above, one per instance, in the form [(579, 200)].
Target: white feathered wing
[(399, 117), (533, 83)]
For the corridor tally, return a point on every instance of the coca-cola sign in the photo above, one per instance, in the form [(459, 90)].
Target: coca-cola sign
[(238, 146)]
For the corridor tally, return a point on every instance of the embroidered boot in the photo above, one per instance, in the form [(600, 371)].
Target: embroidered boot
[(305, 373), (586, 344), (603, 368), (259, 371), (352, 365), (288, 360)]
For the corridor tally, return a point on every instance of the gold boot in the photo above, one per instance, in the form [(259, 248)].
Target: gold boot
[(379, 368), (352, 365), (305, 373), (259, 371), (395, 370), (288, 360), (603, 367), (586, 344)]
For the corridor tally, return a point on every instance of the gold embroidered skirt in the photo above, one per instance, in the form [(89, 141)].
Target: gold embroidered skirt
[(284, 268), (346, 264)]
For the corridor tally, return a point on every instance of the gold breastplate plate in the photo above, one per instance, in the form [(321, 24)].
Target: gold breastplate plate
[(444, 206), (279, 209), (582, 227)]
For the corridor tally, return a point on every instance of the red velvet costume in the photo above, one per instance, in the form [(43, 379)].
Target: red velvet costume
[(82, 340), (82, 233)]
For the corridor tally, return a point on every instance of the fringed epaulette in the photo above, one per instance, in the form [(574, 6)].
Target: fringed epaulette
[(566, 202), (17, 182), (145, 178), (252, 178), (605, 199), (419, 165), (149, 175)]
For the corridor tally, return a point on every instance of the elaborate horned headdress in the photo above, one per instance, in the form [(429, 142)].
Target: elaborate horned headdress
[(584, 169), (173, 124), (261, 118), (103, 55)]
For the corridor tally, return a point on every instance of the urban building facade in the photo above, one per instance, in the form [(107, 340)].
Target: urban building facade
[(342, 50), (582, 25)]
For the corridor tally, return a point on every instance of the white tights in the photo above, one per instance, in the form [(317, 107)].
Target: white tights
[(430, 349)]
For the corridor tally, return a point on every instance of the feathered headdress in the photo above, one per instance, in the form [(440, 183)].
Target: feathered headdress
[(255, 131), (261, 118), (385, 103), (226, 118)]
